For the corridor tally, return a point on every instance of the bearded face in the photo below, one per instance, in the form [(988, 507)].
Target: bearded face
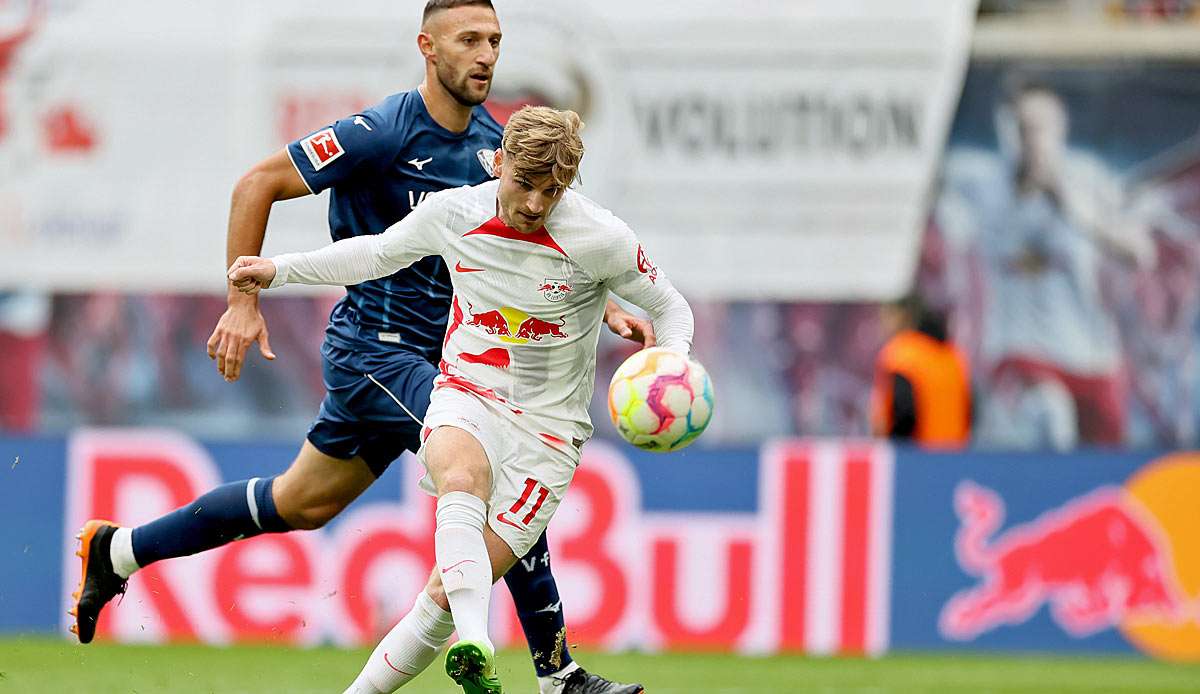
[(466, 43)]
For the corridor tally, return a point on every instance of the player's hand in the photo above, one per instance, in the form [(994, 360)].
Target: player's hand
[(629, 326), (241, 324), (251, 274)]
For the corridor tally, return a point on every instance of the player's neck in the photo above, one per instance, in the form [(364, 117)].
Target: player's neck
[(501, 215), (443, 108)]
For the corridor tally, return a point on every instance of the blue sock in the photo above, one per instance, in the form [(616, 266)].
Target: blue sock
[(227, 513), (538, 606)]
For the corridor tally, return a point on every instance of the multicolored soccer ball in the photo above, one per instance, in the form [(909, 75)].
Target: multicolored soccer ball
[(659, 400)]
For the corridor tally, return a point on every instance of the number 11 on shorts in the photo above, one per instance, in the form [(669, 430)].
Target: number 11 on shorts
[(530, 485)]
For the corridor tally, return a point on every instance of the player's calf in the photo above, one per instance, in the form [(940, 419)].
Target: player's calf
[(317, 487), (230, 512), (539, 607)]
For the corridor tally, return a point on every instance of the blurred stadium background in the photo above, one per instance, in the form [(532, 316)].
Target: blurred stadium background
[(794, 166)]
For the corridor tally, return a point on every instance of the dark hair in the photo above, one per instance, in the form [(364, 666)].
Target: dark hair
[(923, 317), (438, 5)]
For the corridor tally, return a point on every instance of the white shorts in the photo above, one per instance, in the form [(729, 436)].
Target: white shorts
[(530, 475)]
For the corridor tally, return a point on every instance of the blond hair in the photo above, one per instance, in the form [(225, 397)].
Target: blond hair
[(539, 140)]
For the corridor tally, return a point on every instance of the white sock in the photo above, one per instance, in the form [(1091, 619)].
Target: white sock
[(554, 683), (463, 560), (406, 650), (120, 552)]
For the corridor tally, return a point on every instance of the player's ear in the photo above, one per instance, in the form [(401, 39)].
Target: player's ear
[(497, 162), (425, 45)]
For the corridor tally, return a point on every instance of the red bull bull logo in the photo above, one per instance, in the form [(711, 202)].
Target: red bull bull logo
[(492, 322), (514, 325), (1117, 557), (536, 328)]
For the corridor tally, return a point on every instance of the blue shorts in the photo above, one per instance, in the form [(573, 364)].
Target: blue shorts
[(357, 416)]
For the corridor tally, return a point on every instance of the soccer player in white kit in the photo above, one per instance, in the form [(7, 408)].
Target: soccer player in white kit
[(531, 264)]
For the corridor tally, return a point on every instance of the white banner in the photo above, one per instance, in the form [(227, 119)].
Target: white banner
[(760, 149)]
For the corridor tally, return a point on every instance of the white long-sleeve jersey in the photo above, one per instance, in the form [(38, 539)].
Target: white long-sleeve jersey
[(527, 308)]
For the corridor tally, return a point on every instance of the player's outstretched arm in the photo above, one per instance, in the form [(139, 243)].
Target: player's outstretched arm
[(342, 263), (270, 180), (353, 260)]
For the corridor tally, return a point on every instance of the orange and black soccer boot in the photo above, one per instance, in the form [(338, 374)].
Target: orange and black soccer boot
[(98, 583)]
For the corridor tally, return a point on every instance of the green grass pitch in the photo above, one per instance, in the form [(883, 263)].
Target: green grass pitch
[(37, 665)]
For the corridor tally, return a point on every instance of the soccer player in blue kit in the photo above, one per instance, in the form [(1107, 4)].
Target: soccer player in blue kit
[(383, 340)]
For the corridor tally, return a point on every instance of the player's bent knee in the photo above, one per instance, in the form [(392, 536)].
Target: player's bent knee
[(463, 481), (458, 463)]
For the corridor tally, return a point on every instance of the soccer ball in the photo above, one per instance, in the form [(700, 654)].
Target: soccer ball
[(659, 400)]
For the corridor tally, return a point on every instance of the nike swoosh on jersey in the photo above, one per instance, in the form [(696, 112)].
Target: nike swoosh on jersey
[(458, 267)]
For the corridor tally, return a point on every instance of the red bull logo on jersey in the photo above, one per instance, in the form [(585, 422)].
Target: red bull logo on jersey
[(492, 322), (535, 329), (514, 325), (1117, 557)]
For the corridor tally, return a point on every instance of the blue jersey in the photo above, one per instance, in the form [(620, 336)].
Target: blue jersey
[(379, 165)]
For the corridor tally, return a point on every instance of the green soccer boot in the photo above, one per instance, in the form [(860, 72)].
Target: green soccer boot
[(472, 665)]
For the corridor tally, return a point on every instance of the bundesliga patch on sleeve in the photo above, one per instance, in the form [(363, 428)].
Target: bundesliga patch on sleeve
[(322, 148)]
